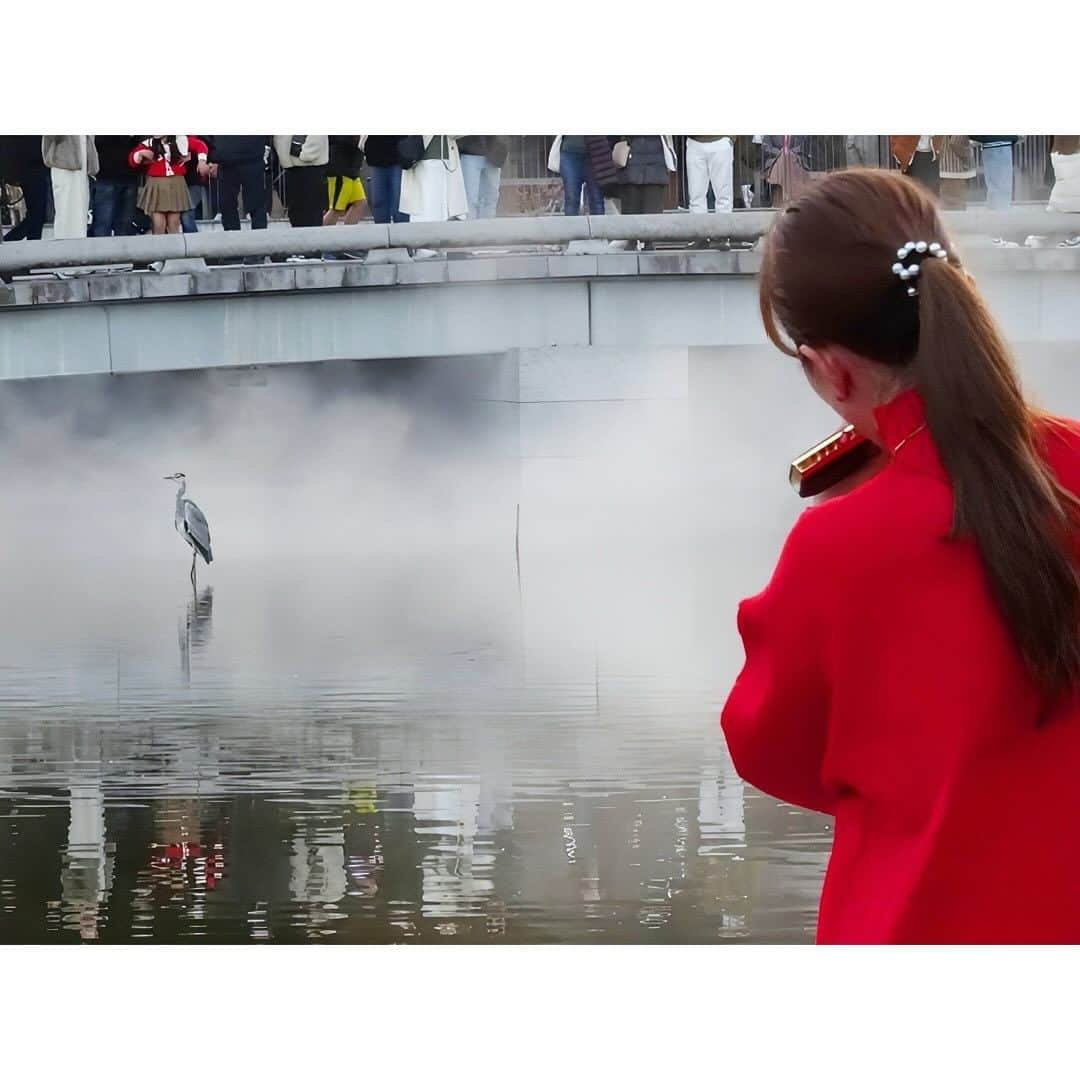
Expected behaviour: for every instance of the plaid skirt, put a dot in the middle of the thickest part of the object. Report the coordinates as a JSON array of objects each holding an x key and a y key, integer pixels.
[{"x": 164, "y": 195}]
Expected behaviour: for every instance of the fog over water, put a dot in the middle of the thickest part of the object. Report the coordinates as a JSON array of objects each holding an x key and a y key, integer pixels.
[{"x": 372, "y": 721}]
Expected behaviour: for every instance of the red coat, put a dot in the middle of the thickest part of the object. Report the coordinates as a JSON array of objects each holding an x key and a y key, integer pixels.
[
  {"x": 162, "y": 165},
  {"x": 881, "y": 686}
]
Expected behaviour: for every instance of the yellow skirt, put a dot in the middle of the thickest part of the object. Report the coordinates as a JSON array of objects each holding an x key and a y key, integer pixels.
[{"x": 343, "y": 191}]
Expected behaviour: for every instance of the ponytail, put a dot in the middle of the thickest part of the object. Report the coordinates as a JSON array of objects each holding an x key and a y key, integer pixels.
[{"x": 1004, "y": 494}]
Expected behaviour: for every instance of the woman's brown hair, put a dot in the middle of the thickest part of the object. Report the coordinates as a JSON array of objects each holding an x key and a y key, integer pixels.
[{"x": 827, "y": 278}]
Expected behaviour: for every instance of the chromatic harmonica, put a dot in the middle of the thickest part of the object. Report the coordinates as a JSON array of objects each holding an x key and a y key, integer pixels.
[{"x": 833, "y": 459}]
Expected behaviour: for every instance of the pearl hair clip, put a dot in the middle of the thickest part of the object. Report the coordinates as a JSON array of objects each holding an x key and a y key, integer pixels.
[{"x": 917, "y": 247}]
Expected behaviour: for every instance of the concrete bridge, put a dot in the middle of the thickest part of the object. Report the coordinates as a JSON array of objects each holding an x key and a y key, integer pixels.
[{"x": 77, "y": 307}]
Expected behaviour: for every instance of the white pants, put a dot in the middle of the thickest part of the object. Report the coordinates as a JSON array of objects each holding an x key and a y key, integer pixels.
[
  {"x": 709, "y": 162},
  {"x": 71, "y": 197}
]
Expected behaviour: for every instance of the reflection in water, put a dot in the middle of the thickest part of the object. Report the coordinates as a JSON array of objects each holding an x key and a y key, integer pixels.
[{"x": 195, "y": 628}]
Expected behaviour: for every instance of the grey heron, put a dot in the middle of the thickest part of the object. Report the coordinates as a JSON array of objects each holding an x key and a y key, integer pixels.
[{"x": 191, "y": 524}]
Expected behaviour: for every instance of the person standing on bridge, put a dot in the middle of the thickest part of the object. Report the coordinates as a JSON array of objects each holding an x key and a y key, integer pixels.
[
  {"x": 433, "y": 188},
  {"x": 72, "y": 160},
  {"x": 304, "y": 159},
  {"x": 710, "y": 159},
  {"x": 165, "y": 160},
  {"x": 915, "y": 658},
  {"x": 239, "y": 163}
]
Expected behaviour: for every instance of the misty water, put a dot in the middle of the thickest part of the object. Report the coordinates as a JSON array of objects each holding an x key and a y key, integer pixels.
[{"x": 441, "y": 682}]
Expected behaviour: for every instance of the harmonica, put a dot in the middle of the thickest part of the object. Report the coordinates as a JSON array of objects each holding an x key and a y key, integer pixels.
[{"x": 833, "y": 459}]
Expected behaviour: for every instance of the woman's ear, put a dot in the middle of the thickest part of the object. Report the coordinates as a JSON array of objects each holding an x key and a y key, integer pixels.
[{"x": 827, "y": 372}]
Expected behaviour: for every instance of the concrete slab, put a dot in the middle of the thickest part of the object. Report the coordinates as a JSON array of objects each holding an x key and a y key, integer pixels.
[
  {"x": 664, "y": 262},
  {"x": 379, "y": 256},
  {"x": 617, "y": 264},
  {"x": 74, "y": 291},
  {"x": 364, "y": 274},
  {"x": 327, "y": 276},
  {"x": 522, "y": 266},
  {"x": 156, "y": 287},
  {"x": 472, "y": 269},
  {"x": 115, "y": 287},
  {"x": 269, "y": 278},
  {"x": 425, "y": 272},
  {"x": 183, "y": 266},
  {"x": 225, "y": 280},
  {"x": 711, "y": 262},
  {"x": 572, "y": 265}
]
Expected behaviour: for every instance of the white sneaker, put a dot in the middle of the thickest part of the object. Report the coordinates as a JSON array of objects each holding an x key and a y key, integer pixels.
[{"x": 425, "y": 253}]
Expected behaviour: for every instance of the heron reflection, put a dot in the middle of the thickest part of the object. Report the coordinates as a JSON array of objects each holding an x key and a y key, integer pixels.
[{"x": 195, "y": 627}]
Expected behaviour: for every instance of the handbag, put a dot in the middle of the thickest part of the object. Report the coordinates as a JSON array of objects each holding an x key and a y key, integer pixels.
[
  {"x": 410, "y": 150},
  {"x": 620, "y": 153}
]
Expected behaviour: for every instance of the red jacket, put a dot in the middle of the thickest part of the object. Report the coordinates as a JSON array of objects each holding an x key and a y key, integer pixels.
[
  {"x": 162, "y": 165},
  {"x": 881, "y": 686}
]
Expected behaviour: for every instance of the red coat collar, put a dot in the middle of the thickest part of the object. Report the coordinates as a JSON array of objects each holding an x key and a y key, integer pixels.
[{"x": 901, "y": 427}]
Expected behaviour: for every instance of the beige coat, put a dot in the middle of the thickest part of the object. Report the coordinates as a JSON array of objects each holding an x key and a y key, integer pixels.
[
  {"x": 63, "y": 152},
  {"x": 315, "y": 151}
]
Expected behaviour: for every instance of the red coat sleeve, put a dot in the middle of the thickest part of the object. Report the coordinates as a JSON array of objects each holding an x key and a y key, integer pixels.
[
  {"x": 133, "y": 151},
  {"x": 776, "y": 716},
  {"x": 196, "y": 147}
]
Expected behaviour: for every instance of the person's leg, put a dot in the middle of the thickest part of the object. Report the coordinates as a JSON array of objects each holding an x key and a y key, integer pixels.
[
  {"x": 189, "y": 219},
  {"x": 230, "y": 179},
  {"x": 631, "y": 198},
  {"x": 124, "y": 209},
  {"x": 333, "y": 188},
  {"x": 103, "y": 199},
  {"x": 396, "y": 213},
  {"x": 653, "y": 198},
  {"x": 722, "y": 174},
  {"x": 697, "y": 175},
  {"x": 357, "y": 210},
  {"x": 488, "y": 201},
  {"x": 998, "y": 171},
  {"x": 160, "y": 222},
  {"x": 71, "y": 197},
  {"x": 594, "y": 197},
  {"x": 172, "y": 222},
  {"x": 306, "y": 190},
  {"x": 379, "y": 193},
  {"x": 572, "y": 170},
  {"x": 472, "y": 166},
  {"x": 251, "y": 176}
]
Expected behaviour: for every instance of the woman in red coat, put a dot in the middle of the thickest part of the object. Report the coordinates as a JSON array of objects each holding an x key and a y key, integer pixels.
[{"x": 912, "y": 666}]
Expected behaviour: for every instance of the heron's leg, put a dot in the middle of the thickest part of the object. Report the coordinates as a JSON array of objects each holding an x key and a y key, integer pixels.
[{"x": 193, "y": 569}]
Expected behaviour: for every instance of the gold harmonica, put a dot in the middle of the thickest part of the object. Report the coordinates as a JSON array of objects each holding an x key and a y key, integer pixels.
[{"x": 830, "y": 461}]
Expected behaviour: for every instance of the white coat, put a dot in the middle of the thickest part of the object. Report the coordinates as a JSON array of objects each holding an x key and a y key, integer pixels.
[
  {"x": 434, "y": 190},
  {"x": 1065, "y": 194}
]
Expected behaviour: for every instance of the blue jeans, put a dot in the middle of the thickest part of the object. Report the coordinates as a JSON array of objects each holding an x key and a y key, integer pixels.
[
  {"x": 998, "y": 174},
  {"x": 481, "y": 185},
  {"x": 113, "y": 204},
  {"x": 575, "y": 172},
  {"x": 384, "y": 194},
  {"x": 189, "y": 218}
]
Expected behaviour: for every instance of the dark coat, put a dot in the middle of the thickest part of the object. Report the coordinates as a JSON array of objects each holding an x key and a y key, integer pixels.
[
  {"x": 239, "y": 149},
  {"x": 647, "y": 164},
  {"x": 604, "y": 173},
  {"x": 346, "y": 157}
]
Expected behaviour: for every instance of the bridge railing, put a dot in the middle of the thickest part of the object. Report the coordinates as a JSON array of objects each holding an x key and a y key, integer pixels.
[{"x": 498, "y": 233}]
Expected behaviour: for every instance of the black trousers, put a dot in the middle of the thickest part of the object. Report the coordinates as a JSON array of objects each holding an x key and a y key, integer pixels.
[
  {"x": 305, "y": 195},
  {"x": 642, "y": 198},
  {"x": 250, "y": 178}
]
